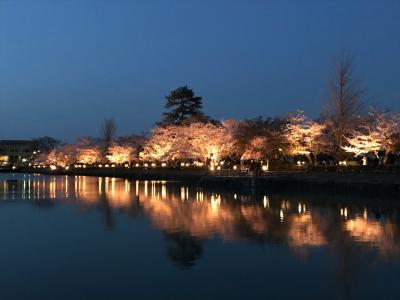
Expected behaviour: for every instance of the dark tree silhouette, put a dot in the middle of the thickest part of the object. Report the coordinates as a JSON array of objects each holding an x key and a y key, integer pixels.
[
  {"x": 184, "y": 108},
  {"x": 345, "y": 104},
  {"x": 46, "y": 143},
  {"x": 108, "y": 129}
]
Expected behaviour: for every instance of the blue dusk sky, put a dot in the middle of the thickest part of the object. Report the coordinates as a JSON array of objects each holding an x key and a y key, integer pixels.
[{"x": 66, "y": 65}]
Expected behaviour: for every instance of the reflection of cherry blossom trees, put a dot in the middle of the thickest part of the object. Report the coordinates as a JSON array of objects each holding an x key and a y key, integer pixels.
[{"x": 303, "y": 134}]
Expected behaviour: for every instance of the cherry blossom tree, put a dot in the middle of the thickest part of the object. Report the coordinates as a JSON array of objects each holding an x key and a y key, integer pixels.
[
  {"x": 88, "y": 155},
  {"x": 381, "y": 131},
  {"x": 196, "y": 141},
  {"x": 256, "y": 150},
  {"x": 304, "y": 135},
  {"x": 120, "y": 153}
]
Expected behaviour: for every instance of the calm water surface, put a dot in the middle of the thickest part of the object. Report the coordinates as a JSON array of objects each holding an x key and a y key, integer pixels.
[{"x": 106, "y": 238}]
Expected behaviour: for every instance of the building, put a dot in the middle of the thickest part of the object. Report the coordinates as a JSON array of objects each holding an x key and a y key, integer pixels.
[{"x": 17, "y": 152}]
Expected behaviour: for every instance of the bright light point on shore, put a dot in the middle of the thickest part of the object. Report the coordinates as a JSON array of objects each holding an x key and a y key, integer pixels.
[
  {"x": 163, "y": 164},
  {"x": 146, "y": 165},
  {"x": 153, "y": 165},
  {"x": 265, "y": 168},
  {"x": 53, "y": 167}
]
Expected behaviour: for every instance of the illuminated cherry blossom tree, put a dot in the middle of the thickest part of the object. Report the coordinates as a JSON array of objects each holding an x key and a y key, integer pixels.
[
  {"x": 88, "y": 155},
  {"x": 256, "y": 150},
  {"x": 303, "y": 135},
  {"x": 120, "y": 153},
  {"x": 381, "y": 132},
  {"x": 62, "y": 156},
  {"x": 196, "y": 141}
]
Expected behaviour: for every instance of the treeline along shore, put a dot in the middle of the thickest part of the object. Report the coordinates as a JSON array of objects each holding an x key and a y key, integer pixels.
[{"x": 350, "y": 147}]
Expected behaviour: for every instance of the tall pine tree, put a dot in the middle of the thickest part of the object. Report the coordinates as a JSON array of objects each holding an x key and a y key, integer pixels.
[{"x": 184, "y": 108}]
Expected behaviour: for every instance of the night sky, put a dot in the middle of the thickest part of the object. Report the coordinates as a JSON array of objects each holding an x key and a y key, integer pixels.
[{"x": 67, "y": 65}]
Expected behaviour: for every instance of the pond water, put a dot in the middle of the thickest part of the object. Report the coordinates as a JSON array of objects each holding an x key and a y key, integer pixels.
[{"x": 106, "y": 238}]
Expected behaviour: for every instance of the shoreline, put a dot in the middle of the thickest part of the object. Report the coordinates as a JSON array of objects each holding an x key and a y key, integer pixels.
[{"x": 374, "y": 183}]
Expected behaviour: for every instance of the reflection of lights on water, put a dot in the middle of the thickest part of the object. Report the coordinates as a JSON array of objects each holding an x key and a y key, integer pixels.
[
  {"x": 66, "y": 187},
  {"x": 266, "y": 202},
  {"x": 343, "y": 212},
  {"x": 113, "y": 185},
  {"x": 281, "y": 216},
  {"x": 215, "y": 203},
  {"x": 199, "y": 196},
  {"x": 301, "y": 208},
  {"x": 127, "y": 186},
  {"x": 365, "y": 214},
  {"x": 137, "y": 188},
  {"x": 146, "y": 191},
  {"x": 182, "y": 193},
  {"x": 285, "y": 205},
  {"x": 153, "y": 188},
  {"x": 100, "y": 184}
]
